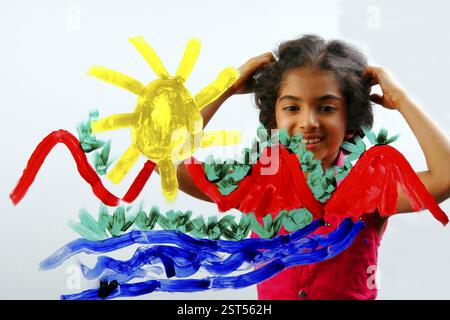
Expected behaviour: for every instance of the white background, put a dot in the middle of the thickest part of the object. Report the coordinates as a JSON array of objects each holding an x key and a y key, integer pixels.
[{"x": 47, "y": 47}]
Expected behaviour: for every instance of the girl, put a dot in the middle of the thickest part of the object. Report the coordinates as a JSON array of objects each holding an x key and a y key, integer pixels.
[{"x": 322, "y": 90}]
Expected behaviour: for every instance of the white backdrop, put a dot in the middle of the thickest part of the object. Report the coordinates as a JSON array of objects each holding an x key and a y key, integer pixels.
[{"x": 47, "y": 47}]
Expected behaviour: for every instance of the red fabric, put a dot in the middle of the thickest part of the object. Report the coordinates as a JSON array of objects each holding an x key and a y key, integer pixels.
[
  {"x": 349, "y": 275},
  {"x": 372, "y": 185}
]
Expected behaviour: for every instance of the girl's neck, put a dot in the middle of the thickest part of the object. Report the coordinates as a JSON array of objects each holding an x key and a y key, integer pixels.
[{"x": 338, "y": 161}]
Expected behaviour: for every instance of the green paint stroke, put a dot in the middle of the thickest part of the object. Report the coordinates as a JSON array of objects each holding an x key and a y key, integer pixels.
[
  {"x": 226, "y": 227},
  {"x": 89, "y": 143},
  {"x": 226, "y": 175}
]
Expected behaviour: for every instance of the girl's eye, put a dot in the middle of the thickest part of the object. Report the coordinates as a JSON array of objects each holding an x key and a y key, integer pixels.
[
  {"x": 291, "y": 108},
  {"x": 327, "y": 109}
]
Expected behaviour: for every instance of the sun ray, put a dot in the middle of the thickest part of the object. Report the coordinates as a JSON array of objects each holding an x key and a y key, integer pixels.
[
  {"x": 116, "y": 78},
  {"x": 189, "y": 59},
  {"x": 215, "y": 89},
  {"x": 150, "y": 56},
  {"x": 169, "y": 182},
  {"x": 220, "y": 138},
  {"x": 166, "y": 124},
  {"x": 124, "y": 164},
  {"x": 113, "y": 122}
]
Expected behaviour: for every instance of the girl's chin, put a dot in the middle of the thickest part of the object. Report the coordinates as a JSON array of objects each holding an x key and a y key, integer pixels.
[{"x": 313, "y": 146}]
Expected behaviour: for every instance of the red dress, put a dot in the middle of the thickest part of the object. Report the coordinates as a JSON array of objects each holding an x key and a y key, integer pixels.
[{"x": 349, "y": 275}]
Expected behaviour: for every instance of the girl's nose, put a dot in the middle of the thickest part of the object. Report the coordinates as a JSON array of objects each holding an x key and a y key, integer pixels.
[{"x": 308, "y": 121}]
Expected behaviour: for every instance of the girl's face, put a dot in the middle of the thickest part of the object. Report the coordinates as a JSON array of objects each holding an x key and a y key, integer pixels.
[{"x": 310, "y": 103}]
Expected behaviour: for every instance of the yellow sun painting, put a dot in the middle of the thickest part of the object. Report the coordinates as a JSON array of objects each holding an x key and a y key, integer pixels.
[{"x": 166, "y": 125}]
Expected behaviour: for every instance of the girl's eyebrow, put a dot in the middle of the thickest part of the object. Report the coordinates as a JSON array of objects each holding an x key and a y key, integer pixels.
[
  {"x": 328, "y": 97},
  {"x": 289, "y": 97},
  {"x": 324, "y": 97}
]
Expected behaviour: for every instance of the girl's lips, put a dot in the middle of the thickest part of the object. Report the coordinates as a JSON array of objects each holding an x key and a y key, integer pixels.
[{"x": 312, "y": 145}]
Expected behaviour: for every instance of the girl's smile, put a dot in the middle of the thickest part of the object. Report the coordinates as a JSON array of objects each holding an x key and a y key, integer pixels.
[{"x": 310, "y": 103}]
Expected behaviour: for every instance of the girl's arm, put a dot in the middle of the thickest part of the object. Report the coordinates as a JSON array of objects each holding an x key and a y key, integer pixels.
[
  {"x": 241, "y": 86},
  {"x": 434, "y": 143}
]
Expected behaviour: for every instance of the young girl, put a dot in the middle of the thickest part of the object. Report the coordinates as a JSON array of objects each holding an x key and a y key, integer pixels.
[{"x": 322, "y": 90}]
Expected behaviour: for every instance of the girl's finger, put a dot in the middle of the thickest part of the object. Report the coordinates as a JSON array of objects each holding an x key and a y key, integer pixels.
[
  {"x": 265, "y": 58},
  {"x": 376, "y": 98},
  {"x": 269, "y": 55},
  {"x": 367, "y": 72},
  {"x": 370, "y": 73},
  {"x": 374, "y": 81}
]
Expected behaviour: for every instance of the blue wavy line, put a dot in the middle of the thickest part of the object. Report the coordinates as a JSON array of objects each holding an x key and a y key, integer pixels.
[
  {"x": 314, "y": 248},
  {"x": 183, "y": 263},
  {"x": 171, "y": 237}
]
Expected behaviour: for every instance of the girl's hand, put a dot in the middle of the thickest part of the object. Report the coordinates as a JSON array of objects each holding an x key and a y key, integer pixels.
[
  {"x": 393, "y": 94},
  {"x": 247, "y": 71}
]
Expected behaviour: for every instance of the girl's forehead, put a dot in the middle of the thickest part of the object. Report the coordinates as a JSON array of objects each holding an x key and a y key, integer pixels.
[{"x": 309, "y": 82}]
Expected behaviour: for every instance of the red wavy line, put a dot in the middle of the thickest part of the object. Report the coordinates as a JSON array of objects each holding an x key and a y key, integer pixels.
[
  {"x": 246, "y": 197},
  {"x": 380, "y": 159},
  {"x": 84, "y": 168}
]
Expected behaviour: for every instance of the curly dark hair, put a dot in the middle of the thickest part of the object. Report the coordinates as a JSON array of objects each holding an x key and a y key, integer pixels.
[{"x": 346, "y": 63}]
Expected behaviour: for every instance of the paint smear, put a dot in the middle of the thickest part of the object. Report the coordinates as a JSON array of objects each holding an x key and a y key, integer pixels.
[
  {"x": 371, "y": 185},
  {"x": 84, "y": 168},
  {"x": 182, "y": 256}
]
